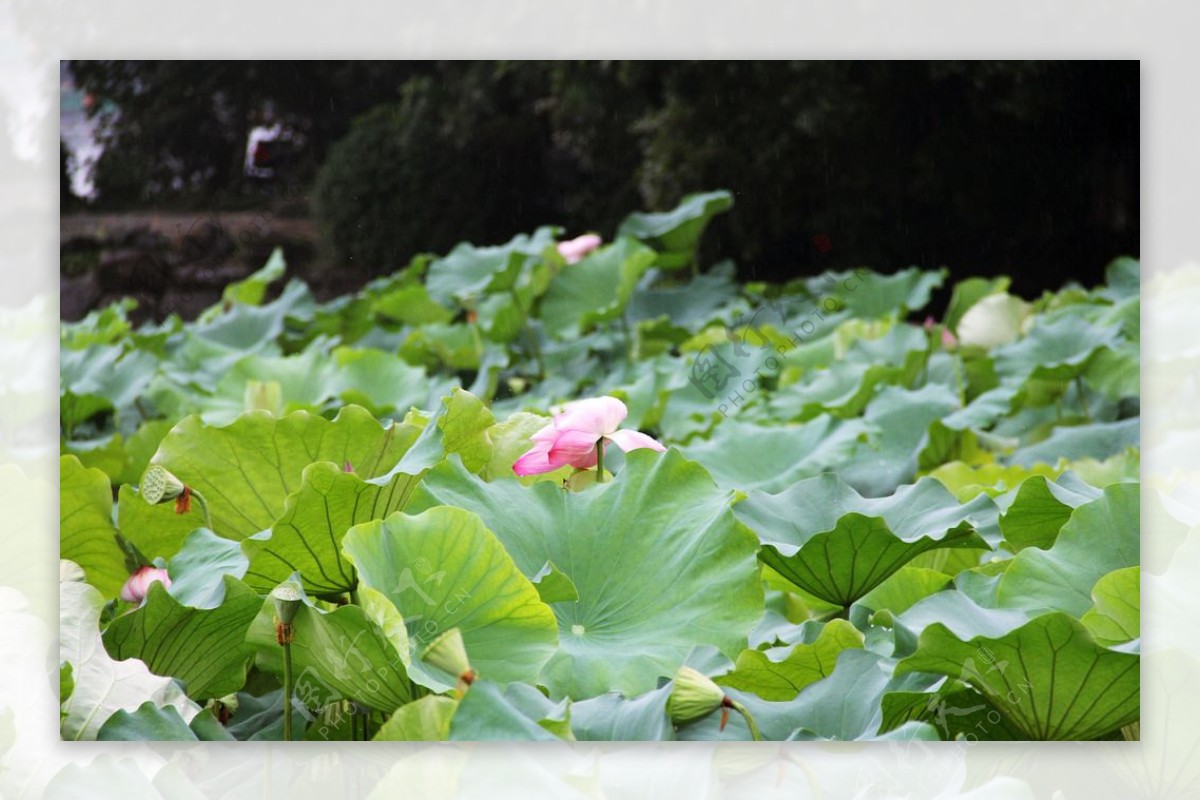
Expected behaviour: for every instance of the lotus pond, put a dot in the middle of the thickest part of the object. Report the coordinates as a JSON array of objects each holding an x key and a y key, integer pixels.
[{"x": 564, "y": 489}]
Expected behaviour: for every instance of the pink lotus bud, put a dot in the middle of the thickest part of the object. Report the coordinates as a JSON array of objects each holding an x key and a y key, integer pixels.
[
  {"x": 138, "y": 585},
  {"x": 949, "y": 341},
  {"x": 575, "y": 249}
]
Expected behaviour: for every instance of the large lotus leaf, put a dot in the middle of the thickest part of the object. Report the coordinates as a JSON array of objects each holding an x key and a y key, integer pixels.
[
  {"x": 102, "y": 684},
  {"x": 692, "y": 305},
  {"x": 203, "y": 648},
  {"x": 955, "y": 709},
  {"x": 410, "y": 305},
  {"x": 1039, "y": 507},
  {"x": 1092, "y": 441},
  {"x": 151, "y": 722},
  {"x": 844, "y": 705},
  {"x": 197, "y": 570},
  {"x": 86, "y": 532},
  {"x": 382, "y": 382},
  {"x": 898, "y": 420},
  {"x": 1101, "y": 536},
  {"x": 456, "y": 346},
  {"x": 871, "y": 295},
  {"x": 247, "y": 328},
  {"x": 827, "y": 539},
  {"x": 845, "y": 387},
  {"x": 659, "y": 562},
  {"x": 595, "y": 290},
  {"x": 1048, "y": 678},
  {"x": 745, "y": 455},
  {"x": 443, "y": 569},
  {"x": 516, "y": 712},
  {"x": 612, "y": 717},
  {"x": 307, "y": 537},
  {"x": 469, "y": 271},
  {"x": 966, "y": 480},
  {"x": 1116, "y": 617},
  {"x": 426, "y": 719},
  {"x": 253, "y": 288},
  {"x": 337, "y": 655},
  {"x": 779, "y": 674},
  {"x": 1058, "y": 349},
  {"x": 247, "y": 469},
  {"x": 902, "y": 590},
  {"x": 101, "y": 378},
  {"x": 676, "y": 234},
  {"x": 156, "y": 531}
]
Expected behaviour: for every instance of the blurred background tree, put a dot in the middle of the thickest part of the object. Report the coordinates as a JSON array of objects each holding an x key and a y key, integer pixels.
[{"x": 1028, "y": 168}]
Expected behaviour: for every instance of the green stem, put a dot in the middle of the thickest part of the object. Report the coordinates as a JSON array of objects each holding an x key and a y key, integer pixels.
[
  {"x": 750, "y": 724},
  {"x": 204, "y": 508},
  {"x": 629, "y": 354},
  {"x": 367, "y": 725},
  {"x": 287, "y": 691},
  {"x": 600, "y": 460}
]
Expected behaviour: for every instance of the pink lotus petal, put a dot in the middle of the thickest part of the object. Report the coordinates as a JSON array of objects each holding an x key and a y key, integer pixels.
[
  {"x": 138, "y": 585},
  {"x": 949, "y": 341},
  {"x": 628, "y": 440},
  {"x": 595, "y": 415},
  {"x": 573, "y": 250},
  {"x": 573, "y": 447}
]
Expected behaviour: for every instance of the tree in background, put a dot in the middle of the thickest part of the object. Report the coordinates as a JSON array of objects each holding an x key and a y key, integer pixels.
[{"x": 1029, "y": 168}]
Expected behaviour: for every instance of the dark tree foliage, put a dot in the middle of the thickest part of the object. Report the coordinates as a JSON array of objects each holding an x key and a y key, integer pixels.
[{"x": 1029, "y": 168}]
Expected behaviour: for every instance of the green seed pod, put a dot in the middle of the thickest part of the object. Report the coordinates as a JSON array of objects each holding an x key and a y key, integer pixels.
[
  {"x": 447, "y": 652},
  {"x": 160, "y": 485},
  {"x": 694, "y": 696},
  {"x": 288, "y": 600}
]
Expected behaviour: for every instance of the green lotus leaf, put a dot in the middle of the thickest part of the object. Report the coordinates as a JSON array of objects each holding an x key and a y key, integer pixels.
[
  {"x": 676, "y": 234},
  {"x": 247, "y": 469},
  {"x": 87, "y": 535},
  {"x": 595, "y": 290},
  {"x": 658, "y": 560},
  {"x": 426, "y": 719},
  {"x": 517, "y": 712},
  {"x": 955, "y": 710},
  {"x": 1048, "y": 678},
  {"x": 307, "y": 537},
  {"x": 443, "y": 569},
  {"x": 779, "y": 674},
  {"x": 1059, "y": 349},
  {"x": 613, "y": 717},
  {"x": 745, "y": 455},
  {"x": 198, "y": 569},
  {"x": 1039, "y": 508},
  {"x": 1116, "y": 617},
  {"x": 336, "y": 655},
  {"x": 470, "y": 271},
  {"x": 152, "y": 722},
  {"x": 1100, "y": 536},
  {"x": 203, "y": 648},
  {"x": 871, "y": 295},
  {"x": 1091, "y": 441},
  {"x": 830, "y": 541}
]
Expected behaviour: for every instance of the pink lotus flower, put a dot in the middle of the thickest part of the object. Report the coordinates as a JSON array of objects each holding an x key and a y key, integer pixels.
[
  {"x": 575, "y": 249},
  {"x": 137, "y": 585},
  {"x": 571, "y": 437}
]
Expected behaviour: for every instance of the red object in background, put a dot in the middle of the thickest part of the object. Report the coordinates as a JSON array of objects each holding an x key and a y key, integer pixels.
[
  {"x": 262, "y": 155},
  {"x": 822, "y": 243}
]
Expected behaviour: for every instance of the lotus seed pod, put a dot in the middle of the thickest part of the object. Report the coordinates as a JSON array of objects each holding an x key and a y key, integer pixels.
[
  {"x": 160, "y": 485},
  {"x": 447, "y": 652},
  {"x": 694, "y": 696},
  {"x": 288, "y": 600}
]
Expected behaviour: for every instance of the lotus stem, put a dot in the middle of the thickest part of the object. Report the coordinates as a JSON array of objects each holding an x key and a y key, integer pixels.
[
  {"x": 283, "y": 636},
  {"x": 204, "y": 508},
  {"x": 746, "y": 716},
  {"x": 600, "y": 460}
]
